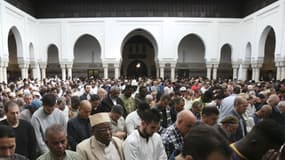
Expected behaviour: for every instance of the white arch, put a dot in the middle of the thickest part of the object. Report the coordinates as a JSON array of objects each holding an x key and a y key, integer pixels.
[
  {"x": 53, "y": 46},
  {"x": 141, "y": 32},
  {"x": 262, "y": 40},
  {"x": 18, "y": 39},
  {"x": 96, "y": 43},
  {"x": 231, "y": 51},
  {"x": 191, "y": 35}
]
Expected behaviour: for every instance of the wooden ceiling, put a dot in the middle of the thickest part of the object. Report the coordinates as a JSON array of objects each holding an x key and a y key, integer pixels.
[{"x": 138, "y": 8}]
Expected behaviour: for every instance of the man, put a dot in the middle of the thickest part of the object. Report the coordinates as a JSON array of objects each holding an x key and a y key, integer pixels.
[
  {"x": 118, "y": 122},
  {"x": 172, "y": 138},
  {"x": 86, "y": 94},
  {"x": 44, "y": 117},
  {"x": 27, "y": 113},
  {"x": 263, "y": 113},
  {"x": 133, "y": 119},
  {"x": 164, "y": 110},
  {"x": 79, "y": 127},
  {"x": 112, "y": 99},
  {"x": 210, "y": 115},
  {"x": 204, "y": 143},
  {"x": 177, "y": 106},
  {"x": 273, "y": 101},
  {"x": 140, "y": 97},
  {"x": 264, "y": 136},
  {"x": 129, "y": 101},
  {"x": 144, "y": 143},
  {"x": 95, "y": 103},
  {"x": 101, "y": 145},
  {"x": 55, "y": 138},
  {"x": 240, "y": 105},
  {"x": 228, "y": 128},
  {"x": 24, "y": 132},
  {"x": 8, "y": 144},
  {"x": 227, "y": 104},
  {"x": 28, "y": 98}
]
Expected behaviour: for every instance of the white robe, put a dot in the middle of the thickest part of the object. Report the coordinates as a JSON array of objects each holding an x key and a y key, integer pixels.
[{"x": 137, "y": 148}]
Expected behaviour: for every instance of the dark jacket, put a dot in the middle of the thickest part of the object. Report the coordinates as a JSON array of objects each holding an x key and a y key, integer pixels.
[
  {"x": 77, "y": 130},
  {"x": 107, "y": 104}
]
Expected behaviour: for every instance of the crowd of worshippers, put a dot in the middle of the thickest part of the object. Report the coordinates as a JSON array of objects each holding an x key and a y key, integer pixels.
[{"x": 189, "y": 119}]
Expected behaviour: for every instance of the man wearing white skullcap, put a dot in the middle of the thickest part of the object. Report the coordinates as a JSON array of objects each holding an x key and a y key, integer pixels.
[{"x": 101, "y": 146}]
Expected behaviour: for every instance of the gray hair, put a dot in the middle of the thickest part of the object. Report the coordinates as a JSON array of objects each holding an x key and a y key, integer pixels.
[{"x": 54, "y": 129}]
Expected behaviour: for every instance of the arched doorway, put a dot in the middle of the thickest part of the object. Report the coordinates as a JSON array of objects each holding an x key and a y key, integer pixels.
[
  {"x": 14, "y": 47},
  {"x": 87, "y": 58},
  {"x": 137, "y": 69},
  {"x": 248, "y": 61},
  {"x": 139, "y": 52},
  {"x": 268, "y": 69},
  {"x": 53, "y": 67},
  {"x": 225, "y": 70},
  {"x": 191, "y": 57}
]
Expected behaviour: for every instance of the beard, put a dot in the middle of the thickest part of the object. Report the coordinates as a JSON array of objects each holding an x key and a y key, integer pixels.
[{"x": 146, "y": 134}]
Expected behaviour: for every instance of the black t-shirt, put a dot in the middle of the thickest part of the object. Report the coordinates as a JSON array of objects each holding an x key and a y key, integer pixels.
[{"x": 25, "y": 139}]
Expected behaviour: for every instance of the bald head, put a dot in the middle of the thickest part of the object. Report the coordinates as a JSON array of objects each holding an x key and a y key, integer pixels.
[
  {"x": 273, "y": 100},
  {"x": 265, "y": 111},
  {"x": 185, "y": 120},
  {"x": 281, "y": 106},
  {"x": 85, "y": 109}
]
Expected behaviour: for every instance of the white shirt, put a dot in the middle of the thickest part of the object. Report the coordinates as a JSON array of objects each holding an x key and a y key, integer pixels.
[
  {"x": 138, "y": 148},
  {"x": 132, "y": 122}
]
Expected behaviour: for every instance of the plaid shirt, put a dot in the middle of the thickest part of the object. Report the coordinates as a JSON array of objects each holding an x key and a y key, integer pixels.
[{"x": 172, "y": 139}]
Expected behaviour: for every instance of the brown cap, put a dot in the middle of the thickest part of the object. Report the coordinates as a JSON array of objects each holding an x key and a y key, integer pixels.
[
  {"x": 99, "y": 118},
  {"x": 230, "y": 120}
]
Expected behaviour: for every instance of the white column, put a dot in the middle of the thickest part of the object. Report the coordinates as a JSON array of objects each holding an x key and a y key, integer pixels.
[
  {"x": 244, "y": 71},
  {"x": 161, "y": 66},
  {"x": 43, "y": 70},
  {"x": 282, "y": 70},
  {"x": 235, "y": 69},
  {"x": 69, "y": 71},
  {"x": 63, "y": 71},
  {"x": 278, "y": 70},
  {"x": 24, "y": 71},
  {"x": 105, "y": 66},
  {"x": 215, "y": 70},
  {"x": 172, "y": 71},
  {"x": 5, "y": 65},
  {"x": 157, "y": 72},
  {"x": 1, "y": 72},
  {"x": 117, "y": 71},
  {"x": 209, "y": 70}
]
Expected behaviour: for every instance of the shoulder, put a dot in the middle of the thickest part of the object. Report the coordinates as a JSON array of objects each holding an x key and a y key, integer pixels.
[
  {"x": 19, "y": 157},
  {"x": 43, "y": 156},
  {"x": 72, "y": 155},
  {"x": 84, "y": 143},
  {"x": 133, "y": 137}
]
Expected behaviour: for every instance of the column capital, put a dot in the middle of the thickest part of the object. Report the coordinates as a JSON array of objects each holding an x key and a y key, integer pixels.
[
  {"x": 235, "y": 65},
  {"x": 172, "y": 64},
  {"x": 245, "y": 65},
  {"x": 116, "y": 65},
  {"x": 62, "y": 66},
  {"x": 69, "y": 65},
  {"x": 216, "y": 65},
  {"x": 105, "y": 65},
  {"x": 209, "y": 65}
]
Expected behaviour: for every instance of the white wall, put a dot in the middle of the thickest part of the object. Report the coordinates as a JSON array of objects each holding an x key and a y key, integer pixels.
[{"x": 167, "y": 32}]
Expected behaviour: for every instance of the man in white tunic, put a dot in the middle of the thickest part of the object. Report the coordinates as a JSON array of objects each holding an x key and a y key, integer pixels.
[
  {"x": 145, "y": 143},
  {"x": 101, "y": 146}
]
